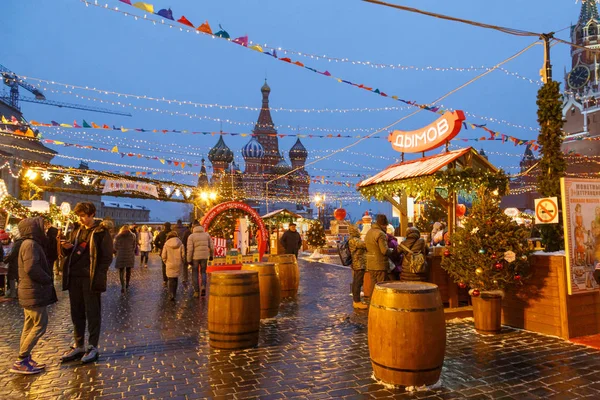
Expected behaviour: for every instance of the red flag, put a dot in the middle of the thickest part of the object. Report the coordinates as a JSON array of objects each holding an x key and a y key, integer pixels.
[
  {"x": 184, "y": 20},
  {"x": 76, "y": 125}
]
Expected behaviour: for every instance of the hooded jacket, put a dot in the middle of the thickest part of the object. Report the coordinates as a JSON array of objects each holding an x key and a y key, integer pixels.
[
  {"x": 377, "y": 249},
  {"x": 173, "y": 255},
  {"x": 101, "y": 254},
  {"x": 145, "y": 240},
  {"x": 12, "y": 259},
  {"x": 415, "y": 243},
  {"x": 36, "y": 287},
  {"x": 199, "y": 245},
  {"x": 125, "y": 248},
  {"x": 358, "y": 248}
]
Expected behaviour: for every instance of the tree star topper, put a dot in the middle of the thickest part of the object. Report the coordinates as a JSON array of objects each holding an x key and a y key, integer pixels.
[{"x": 433, "y": 135}]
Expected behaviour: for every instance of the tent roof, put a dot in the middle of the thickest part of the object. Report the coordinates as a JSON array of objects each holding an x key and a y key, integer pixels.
[
  {"x": 281, "y": 211},
  {"x": 426, "y": 166}
]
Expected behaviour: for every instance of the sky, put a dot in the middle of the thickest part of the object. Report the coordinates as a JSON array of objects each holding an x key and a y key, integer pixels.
[{"x": 68, "y": 42}]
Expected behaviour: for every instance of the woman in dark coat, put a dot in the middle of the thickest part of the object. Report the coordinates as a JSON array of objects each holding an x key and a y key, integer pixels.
[
  {"x": 12, "y": 260},
  {"x": 125, "y": 243},
  {"x": 416, "y": 244}
]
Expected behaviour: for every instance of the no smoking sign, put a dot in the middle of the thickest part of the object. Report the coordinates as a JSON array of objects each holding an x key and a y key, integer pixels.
[{"x": 546, "y": 211}]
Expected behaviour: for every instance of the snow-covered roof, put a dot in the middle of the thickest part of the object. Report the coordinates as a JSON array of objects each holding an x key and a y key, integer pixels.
[{"x": 113, "y": 204}]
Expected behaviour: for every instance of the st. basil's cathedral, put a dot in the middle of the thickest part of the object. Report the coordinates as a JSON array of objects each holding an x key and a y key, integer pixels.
[{"x": 264, "y": 162}]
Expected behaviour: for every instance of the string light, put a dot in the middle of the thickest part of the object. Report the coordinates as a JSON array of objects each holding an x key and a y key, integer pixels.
[
  {"x": 67, "y": 179},
  {"x": 86, "y": 180},
  {"x": 46, "y": 176}
]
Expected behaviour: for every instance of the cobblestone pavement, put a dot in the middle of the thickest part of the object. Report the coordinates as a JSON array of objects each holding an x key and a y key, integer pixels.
[{"x": 316, "y": 348}]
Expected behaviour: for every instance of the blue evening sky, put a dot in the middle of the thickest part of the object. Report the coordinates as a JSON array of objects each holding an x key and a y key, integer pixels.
[{"x": 65, "y": 41}]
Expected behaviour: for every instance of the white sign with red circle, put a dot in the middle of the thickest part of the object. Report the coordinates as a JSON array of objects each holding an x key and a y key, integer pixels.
[{"x": 546, "y": 210}]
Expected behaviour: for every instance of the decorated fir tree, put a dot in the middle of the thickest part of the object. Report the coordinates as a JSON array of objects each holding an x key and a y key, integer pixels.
[
  {"x": 552, "y": 163},
  {"x": 491, "y": 251},
  {"x": 315, "y": 237}
]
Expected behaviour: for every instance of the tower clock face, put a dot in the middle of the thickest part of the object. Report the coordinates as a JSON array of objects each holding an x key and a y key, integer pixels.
[{"x": 578, "y": 77}]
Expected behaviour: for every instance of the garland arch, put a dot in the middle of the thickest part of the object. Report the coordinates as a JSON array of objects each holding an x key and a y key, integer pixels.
[{"x": 263, "y": 238}]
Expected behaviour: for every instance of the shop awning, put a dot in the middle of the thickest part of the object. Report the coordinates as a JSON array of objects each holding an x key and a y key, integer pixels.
[
  {"x": 424, "y": 166},
  {"x": 282, "y": 212}
]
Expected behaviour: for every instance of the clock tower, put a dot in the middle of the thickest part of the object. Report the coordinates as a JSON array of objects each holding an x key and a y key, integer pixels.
[{"x": 581, "y": 107}]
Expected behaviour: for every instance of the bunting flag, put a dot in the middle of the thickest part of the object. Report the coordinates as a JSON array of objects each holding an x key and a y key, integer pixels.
[
  {"x": 183, "y": 20},
  {"x": 144, "y": 6},
  {"x": 85, "y": 124},
  {"x": 115, "y": 150},
  {"x": 168, "y": 14},
  {"x": 242, "y": 40},
  {"x": 95, "y": 126},
  {"x": 205, "y": 27},
  {"x": 4, "y": 120},
  {"x": 222, "y": 33},
  {"x": 125, "y": 1},
  {"x": 75, "y": 125}
]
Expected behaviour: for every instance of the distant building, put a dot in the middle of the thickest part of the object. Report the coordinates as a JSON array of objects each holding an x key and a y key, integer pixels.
[{"x": 123, "y": 213}]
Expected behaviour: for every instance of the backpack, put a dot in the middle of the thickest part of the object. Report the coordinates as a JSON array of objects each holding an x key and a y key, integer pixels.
[
  {"x": 416, "y": 261},
  {"x": 344, "y": 252}
]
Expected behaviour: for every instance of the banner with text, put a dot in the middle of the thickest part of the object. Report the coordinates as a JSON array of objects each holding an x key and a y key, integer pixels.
[{"x": 121, "y": 185}]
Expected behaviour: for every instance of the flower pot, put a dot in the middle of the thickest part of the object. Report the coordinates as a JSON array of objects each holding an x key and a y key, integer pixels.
[{"x": 487, "y": 312}]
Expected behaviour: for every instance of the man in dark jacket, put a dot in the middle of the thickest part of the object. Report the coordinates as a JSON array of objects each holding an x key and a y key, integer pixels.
[
  {"x": 36, "y": 292},
  {"x": 159, "y": 242},
  {"x": 88, "y": 257},
  {"x": 52, "y": 246},
  {"x": 377, "y": 251},
  {"x": 291, "y": 240},
  {"x": 12, "y": 259},
  {"x": 183, "y": 232}
]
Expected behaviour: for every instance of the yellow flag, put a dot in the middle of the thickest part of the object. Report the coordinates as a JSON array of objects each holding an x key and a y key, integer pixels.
[
  {"x": 161, "y": 160},
  {"x": 4, "y": 120},
  {"x": 144, "y": 6},
  {"x": 94, "y": 125},
  {"x": 124, "y": 129},
  {"x": 182, "y": 165},
  {"x": 115, "y": 150},
  {"x": 66, "y": 125},
  {"x": 29, "y": 133},
  {"x": 256, "y": 47}
]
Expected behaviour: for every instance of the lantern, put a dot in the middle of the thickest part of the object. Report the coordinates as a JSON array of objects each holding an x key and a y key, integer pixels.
[
  {"x": 461, "y": 209},
  {"x": 339, "y": 214}
]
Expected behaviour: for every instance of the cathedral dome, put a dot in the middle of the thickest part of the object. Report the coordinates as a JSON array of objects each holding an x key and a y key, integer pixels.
[
  {"x": 253, "y": 149},
  {"x": 298, "y": 151},
  {"x": 281, "y": 167},
  {"x": 265, "y": 87},
  {"x": 220, "y": 153}
]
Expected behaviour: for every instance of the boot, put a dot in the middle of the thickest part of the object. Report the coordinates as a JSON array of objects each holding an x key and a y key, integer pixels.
[{"x": 359, "y": 306}]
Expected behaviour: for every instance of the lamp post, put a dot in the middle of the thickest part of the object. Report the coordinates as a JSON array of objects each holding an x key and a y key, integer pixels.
[
  {"x": 319, "y": 200},
  {"x": 207, "y": 197}
]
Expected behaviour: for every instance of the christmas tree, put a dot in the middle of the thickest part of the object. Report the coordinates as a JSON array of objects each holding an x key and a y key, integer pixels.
[
  {"x": 491, "y": 251},
  {"x": 552, "y": 163},
  {"x": 316, "y": 235}
]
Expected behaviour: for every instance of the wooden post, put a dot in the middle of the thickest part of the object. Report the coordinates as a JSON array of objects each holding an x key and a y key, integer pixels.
[{"x": 402, "y": 209}]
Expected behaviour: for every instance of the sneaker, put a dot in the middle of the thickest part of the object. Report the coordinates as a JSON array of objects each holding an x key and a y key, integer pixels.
[
  {"x": 36, "y": 364},
  {"x": 73, "y": 354},
  {"x": 122, "y": 290},
  {"x": 359, "y": 306},
  {"x": 25, "y": 367},
  {"x": 196, "y": 294},
  {"x": 91, "y": 355}
]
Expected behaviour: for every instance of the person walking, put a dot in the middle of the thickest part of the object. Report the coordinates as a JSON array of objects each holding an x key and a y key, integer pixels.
[
  {"x": 377, "y": 251},
  {"x": 159, "y": 242},
  {"x": 145, "y": 243},
  {"x": 173, "y": 255},
  {"x": 183, "y": 232},
  {"x": 199, "y": 250},
  {"x": 124, "y": 245},
  {"x": 359, "y": 263},
  {"x": 52, "y": 248},
  {"x": 291, "y": 240},
  {"x": 89, "y": 256},
  {"x": 36, "y": 292}
]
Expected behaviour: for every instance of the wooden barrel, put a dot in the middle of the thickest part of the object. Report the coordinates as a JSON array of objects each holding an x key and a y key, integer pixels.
[
  {"x": 233, "y": 309},
  {"x": 289, "y": 273},
  {"x": 407, "y": 333},
  {"x": 270, "y": 288},
  {"x": 487, "y": 313},
  {"x": 367, "y": 285}
]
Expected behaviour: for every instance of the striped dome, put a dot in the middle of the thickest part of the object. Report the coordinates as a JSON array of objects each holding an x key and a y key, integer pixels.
[
  {"x": 220, "y": 153},
  {"x": 298, "y": 151},
  {"x": 253, "y": 149}
]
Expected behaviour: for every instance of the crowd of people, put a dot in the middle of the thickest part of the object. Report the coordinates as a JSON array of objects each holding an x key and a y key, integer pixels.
[
  {"x": 383, "y": 257},
  {"x": 83, "y": 258}
]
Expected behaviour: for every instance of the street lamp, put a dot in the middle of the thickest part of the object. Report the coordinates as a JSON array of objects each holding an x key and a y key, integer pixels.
[
  {"x": 205, "y": 196},
  {"x": 319, "y": 200}
]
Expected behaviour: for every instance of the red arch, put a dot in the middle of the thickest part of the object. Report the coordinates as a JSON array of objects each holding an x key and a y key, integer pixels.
[{"x": 237, "y": 205}]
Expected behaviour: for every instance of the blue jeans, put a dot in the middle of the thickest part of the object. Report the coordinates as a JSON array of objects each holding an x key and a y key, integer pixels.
[{"x": 199, "y": 265}]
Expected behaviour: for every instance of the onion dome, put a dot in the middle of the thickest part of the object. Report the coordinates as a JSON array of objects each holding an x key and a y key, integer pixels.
[
  {"x": 220, "y": 153},
  {"x": 253, "y": 149},
  {"x": 298, "y": 151},
  {"x": 265, "y": 87},
  {"x": 281, "y": 167}
]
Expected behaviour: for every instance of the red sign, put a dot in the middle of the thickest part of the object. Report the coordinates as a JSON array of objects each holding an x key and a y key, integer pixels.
[
  {"x": 433, "y": 135},
  {"x": 236, "y": 205}
]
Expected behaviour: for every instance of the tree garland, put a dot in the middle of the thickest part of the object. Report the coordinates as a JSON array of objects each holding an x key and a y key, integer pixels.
[
  {"x": 12, "y": 206},
  {"x": 459, "y": 181}
]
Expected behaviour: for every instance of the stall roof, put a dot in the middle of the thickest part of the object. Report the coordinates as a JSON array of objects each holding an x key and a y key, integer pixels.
[
  {"x": 423, "y": 166},
  {"x": 281, "y": 211}
]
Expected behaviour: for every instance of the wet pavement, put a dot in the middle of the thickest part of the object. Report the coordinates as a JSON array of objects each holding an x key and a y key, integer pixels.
[{"x": 315, "y": 348}]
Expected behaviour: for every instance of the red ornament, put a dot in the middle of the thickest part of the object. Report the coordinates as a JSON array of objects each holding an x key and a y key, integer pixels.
[
  {"x": 462, "y": 285},
  {"x": 498, "y": 266},
  {"x": 517, "y": 277},
  {"x": 447, "y": 237},
  {"x": 476, "y": 292},
  {"x": 446, "y": 253},
  {"x": 339, "y": 214},
  {"x": 493, "y": 256},
  {"x": 461, "y": 209}
]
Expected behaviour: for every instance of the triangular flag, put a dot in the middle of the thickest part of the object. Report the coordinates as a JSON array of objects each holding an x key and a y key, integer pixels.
[
  {"x": 4, "y": 120},
  {"x": 144, "y": 6},
  {"x": 242, "y": 40},
  {"x": 105, "y": 126},
  {"x": 13, "y": 119},
  {"x": 168, "y": 14},
  {"x": 182, "y": 165},
  {"x": 162, "y": 161},
  {"x": 222, "y": 33},
  {"x": 125, "y": 1},
  {"x": 115, "y": 149},
  {"x": 54, "y": 123},
  {"x": 85, "y": 124},
  {"x": 95, "y": 126},
  {"x": 66, "y": 125},
  {"x": 256, "y": 48},
  {"x": 183, "y": 20},
  {"x": 34, "y": 123},
  {"x": 205, "y": 27},
  {"x": 29, "y": 132}
]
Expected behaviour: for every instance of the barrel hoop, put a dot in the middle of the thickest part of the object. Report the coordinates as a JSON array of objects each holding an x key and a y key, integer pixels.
[
  {"x": 233, "y": 284},
  {"x": 387, "y": 289},
  {"x": 488, "y": 330},
  {"x": 407, "y": 309},
  {"x": 232, "y": 333},
  {"x": 211, "y": 294},
  {"x": 407, "y": 370}
]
